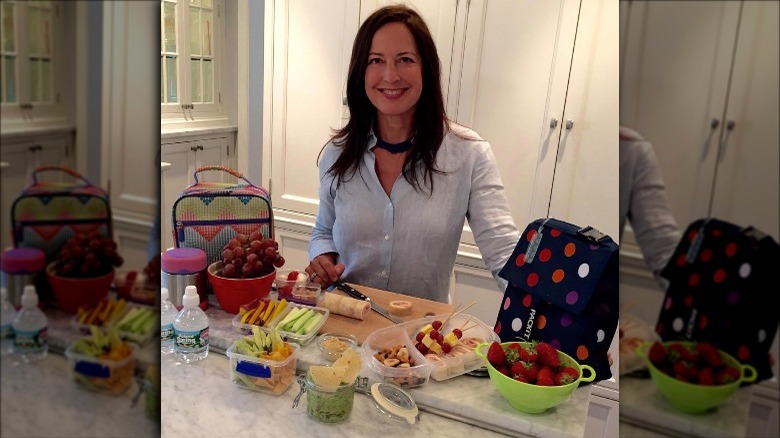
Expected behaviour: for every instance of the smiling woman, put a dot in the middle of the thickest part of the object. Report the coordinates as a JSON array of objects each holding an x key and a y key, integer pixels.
[{"x": 398, "y": 226}]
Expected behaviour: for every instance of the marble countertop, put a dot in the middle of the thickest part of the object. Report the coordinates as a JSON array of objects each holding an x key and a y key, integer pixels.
[
  {"x": 39, "y": 400},
  {"x": 643, "y": 408},
  {"x": 201, "y": 398}
]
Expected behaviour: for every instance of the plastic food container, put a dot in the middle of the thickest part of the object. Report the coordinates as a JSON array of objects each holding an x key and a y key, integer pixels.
[
  {"x": 301, "y": 339},
  {"x": 260, "y": 374},
  {"x": 309, "y": 294},
  {"x": 333, "y": 344},
  {"x": 388, "y": 338},
  {"x": 86, "y": 329},
  {"x": 101, "y": 375},
  {"x": 142, "y": 338},
  {"x": 462, "y": 359}
]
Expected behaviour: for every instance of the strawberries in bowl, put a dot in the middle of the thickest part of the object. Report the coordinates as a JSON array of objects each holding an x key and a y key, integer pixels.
[
  {"x": 694, "y": 377},
  {"x": 533, "y": 376}
]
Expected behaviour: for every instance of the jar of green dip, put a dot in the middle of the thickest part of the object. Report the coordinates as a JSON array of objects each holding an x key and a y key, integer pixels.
[{"x": 328, "y": 406}]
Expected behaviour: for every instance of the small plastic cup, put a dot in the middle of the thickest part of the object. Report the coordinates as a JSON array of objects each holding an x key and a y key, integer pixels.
[{"x": 329, "y": 407}]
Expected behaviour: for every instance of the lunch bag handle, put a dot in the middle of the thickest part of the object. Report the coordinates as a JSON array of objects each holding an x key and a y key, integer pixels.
[
  {"x": 223, "y": 168},
  {"x": 67, "y": 170}
]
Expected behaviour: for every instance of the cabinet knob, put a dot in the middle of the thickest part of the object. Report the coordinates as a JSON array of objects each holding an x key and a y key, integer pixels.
[
  {"x": 730, "y": 125},
  {"x": 714, "y": 123},
  {"x": 344, "y": 100},
  {"x": 553, "y": 123},
  {"x": 569, "y": 124}
]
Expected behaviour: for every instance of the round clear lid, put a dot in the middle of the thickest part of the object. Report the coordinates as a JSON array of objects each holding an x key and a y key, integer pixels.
[{"x": 395, "y": 402}]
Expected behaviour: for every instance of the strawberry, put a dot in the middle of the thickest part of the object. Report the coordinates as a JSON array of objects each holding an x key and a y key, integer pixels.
[
  {"x": 292, "y": 276},
  {"x": 677, "y": 351},
  {"x": 496, "y": 355},
  {"x": 511, "y": 356},
  {"x": 548, "y": 355},
  {"x": 545, "y": 381},
  {"x": 657, "y": 353},
  {"x": 709, "y": 354},
  {"x": 503, "y": 370},
  {"x": 528, "y": 353},
  {"x": 520, "y": 378},
  {"x": 528, "y": 370},
  {"x": 685, "y": 368},
  {"x": 706, "y": 377},
  {"x": 566, "y": 376},
  {"x": 728, "y": 375},
  {"x": 545, "y": 373}
]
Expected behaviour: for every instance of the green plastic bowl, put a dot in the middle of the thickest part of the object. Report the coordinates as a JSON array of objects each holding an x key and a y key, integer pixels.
[
  {"x": 693, "y": 398},
  {"x": 529, "y": 398}
]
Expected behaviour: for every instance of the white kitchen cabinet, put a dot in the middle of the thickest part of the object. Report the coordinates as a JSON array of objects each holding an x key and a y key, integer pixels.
[
  {"x": 700, "y": 81},
  {"x": 23, "y": 154},
  {"x": 186, "y": 155},
  {"x": 603, "y": 414}
]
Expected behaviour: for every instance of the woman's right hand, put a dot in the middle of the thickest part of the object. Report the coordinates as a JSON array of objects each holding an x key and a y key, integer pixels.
[{"x": 323, "y": 270}]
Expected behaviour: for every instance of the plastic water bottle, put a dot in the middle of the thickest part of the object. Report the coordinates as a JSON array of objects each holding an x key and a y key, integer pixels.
[
  {"x": 6, "y": 320},
  {"x": 191, "y": 328},
  {"x": 167, "y": 317},
  {"x": 30, "y": 328}
]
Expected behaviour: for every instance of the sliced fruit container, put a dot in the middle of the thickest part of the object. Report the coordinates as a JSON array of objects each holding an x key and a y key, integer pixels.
[
  {"x": 461, "y": 358},
  {"x": 391, "y": 338},
  {"x": 530, "y": 398},
  {"x": 298, "y": 337},
  {"x": 100, "y": 374},
  {"x": 103, "y": 315},
  {"x": 258, "y": 374},
  {"x": 694, "y": 398}
]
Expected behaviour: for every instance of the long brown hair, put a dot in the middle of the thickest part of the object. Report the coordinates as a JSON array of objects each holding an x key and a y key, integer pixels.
[{"x": 429, "y": 118}]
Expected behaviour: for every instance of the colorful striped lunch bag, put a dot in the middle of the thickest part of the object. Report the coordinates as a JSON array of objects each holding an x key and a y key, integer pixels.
[
  {"x": 720, "y": 291},
  {"x": 563, "y": 289},
  {"x": 206, "y": 215},
  {"x": 46, "y": 214}
]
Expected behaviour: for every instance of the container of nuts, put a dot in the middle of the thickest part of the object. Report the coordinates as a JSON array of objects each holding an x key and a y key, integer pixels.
[{"x": 390, "y": 353}]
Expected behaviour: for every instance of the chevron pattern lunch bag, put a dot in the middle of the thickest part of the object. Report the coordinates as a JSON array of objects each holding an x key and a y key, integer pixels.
[
  {"x": 720, "y": 291},
  {"x": 48, "y": 213},
  {"x": 206, "y": 215},
  {"x": 563, "y": 289}
]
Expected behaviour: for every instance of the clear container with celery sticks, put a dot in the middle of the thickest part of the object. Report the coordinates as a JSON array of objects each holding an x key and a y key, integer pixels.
[
  {"x": 263, "y": 362},
  {"x": 102, "y": 362}
]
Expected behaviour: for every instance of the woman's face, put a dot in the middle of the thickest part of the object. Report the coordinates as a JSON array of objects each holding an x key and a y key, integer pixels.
[{"x": 394, "y": 74}]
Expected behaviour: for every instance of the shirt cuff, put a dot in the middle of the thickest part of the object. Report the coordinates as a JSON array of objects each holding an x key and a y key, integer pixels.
[{"x": 319, "y": 247}]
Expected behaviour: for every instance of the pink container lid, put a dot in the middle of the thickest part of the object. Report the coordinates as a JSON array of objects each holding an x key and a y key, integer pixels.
[
  {"x": 183, "y": 261},
  {"x": 22, "y": 260}
]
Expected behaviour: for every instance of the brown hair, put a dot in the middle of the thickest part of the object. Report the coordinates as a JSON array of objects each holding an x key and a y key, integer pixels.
[{"x": 429, "y": 118}]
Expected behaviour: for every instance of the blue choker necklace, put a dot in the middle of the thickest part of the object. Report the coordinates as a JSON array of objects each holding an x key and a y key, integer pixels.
[{"x": 394, "y": 148}]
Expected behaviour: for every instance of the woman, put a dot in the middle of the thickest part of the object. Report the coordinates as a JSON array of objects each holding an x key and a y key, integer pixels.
[
  {"x": 398, "y": 181},
  {"x": 644, "y": 204}
]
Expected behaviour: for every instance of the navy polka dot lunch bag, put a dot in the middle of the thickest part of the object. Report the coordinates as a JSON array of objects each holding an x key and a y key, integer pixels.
[
  {"x": 723, "y": 290},
  {"x": 563, "y": 289}
]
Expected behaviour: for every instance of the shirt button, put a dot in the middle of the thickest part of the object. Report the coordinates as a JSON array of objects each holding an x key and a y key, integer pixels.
[
  {"x": 387, "y": 237},
  {"x": 384, "y": 271}
]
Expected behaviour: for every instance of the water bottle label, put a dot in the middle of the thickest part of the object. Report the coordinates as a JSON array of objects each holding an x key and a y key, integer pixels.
[
  {"x": 7, "y": 332},
  {"x": 167, "y": 333},
  {"x": 196, "y": 339},
  {"x": 26, "y": 341}
]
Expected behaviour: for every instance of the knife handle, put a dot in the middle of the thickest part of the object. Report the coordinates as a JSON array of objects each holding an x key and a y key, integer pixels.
[{"x": 351, "y": 291}]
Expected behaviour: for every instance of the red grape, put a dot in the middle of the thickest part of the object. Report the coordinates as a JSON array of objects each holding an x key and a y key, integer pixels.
[
  {"x": 227, "y": 255},
  {"x": 279, "y": 262},
  {"x": 436, "y": 324},
  {"x": 420, "y": 336}
]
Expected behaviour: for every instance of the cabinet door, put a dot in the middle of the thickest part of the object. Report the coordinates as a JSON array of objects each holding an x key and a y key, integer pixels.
[
  {"x": 15, "y": 177},
  {"x": 510, "y": 83},
  {"x": 747, "y": 181},
  {"x": 585, "y": 188},
  {"x": 312, "y": 43},
  {"x": 678, "y": 57}
]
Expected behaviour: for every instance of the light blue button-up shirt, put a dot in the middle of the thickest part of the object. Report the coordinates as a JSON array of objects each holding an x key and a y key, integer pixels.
[{"x": 407, "y": 242}]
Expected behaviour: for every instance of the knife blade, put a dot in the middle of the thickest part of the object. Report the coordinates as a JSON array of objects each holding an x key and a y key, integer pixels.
[{"x": 354, "y": 293}]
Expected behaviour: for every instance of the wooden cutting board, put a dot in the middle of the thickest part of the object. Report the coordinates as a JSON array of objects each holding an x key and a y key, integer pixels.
[{"x": 361, "y": 329}]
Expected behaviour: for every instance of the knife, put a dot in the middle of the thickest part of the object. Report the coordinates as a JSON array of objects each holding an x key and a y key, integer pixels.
[{"x": 351, "y": 291}]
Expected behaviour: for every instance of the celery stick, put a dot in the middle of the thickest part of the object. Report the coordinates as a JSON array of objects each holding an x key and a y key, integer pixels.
[
  {"x": 312, "y": 322},
  {"x": 302, "y": 320}
]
